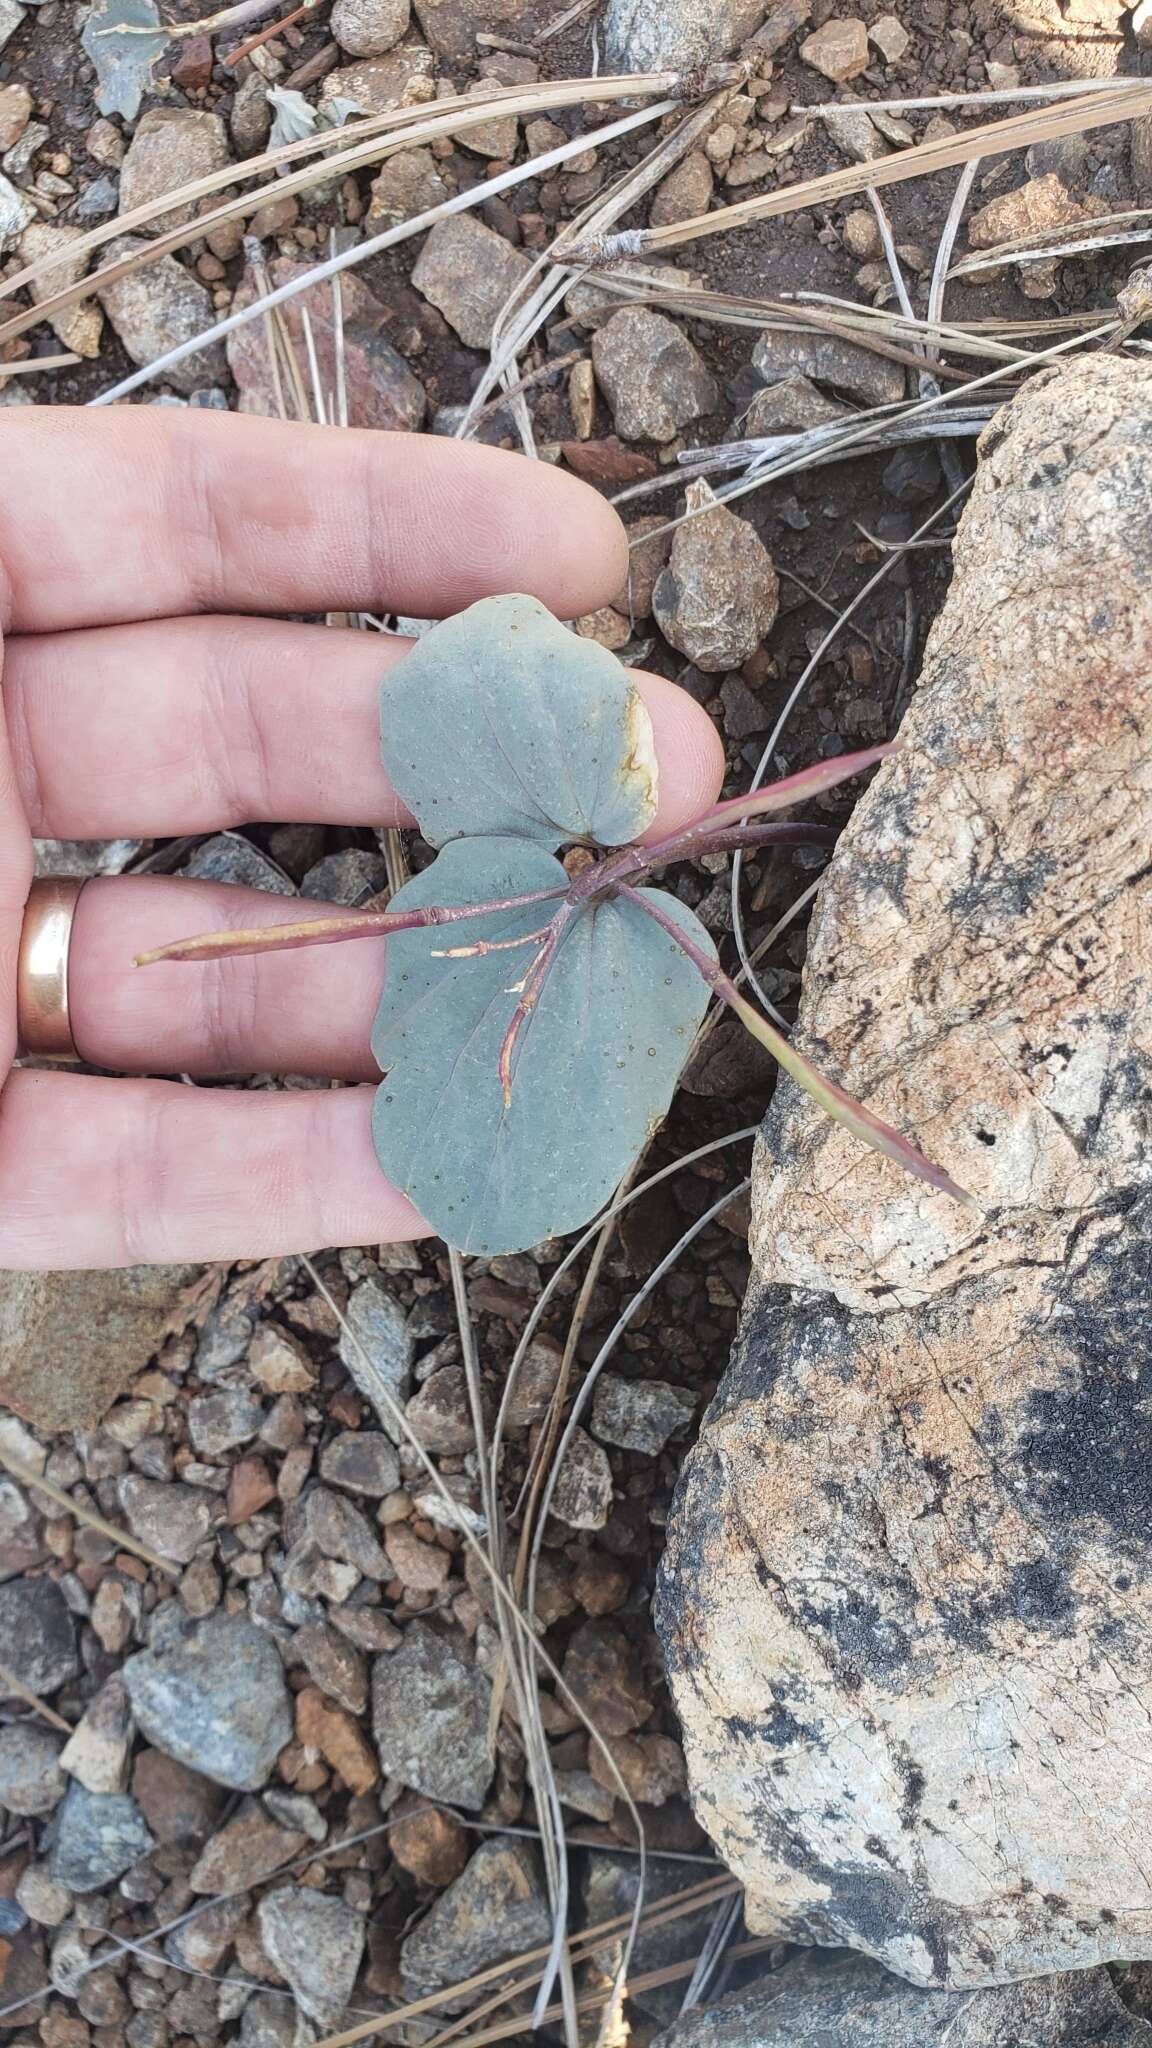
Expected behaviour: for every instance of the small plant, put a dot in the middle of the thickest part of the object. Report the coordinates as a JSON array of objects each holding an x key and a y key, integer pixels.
[{"x": 527, "y": 1064}]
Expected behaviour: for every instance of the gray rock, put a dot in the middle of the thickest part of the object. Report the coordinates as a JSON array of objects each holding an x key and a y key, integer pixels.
[
  {"x": 582, "y": 1495},
  {"x": 790, "y": 406},
  {"x": 430, "y": 1719},
  {"x": 333, "y": 1664},
  {"x": 296, "y": 1811},
  {"x": 98, "y": 1837},
  {"x": 316, "y": 1944},
  {"x": 218, "y": 1422},
  {"x": 157, "y": 308},
  {"x": 250, "y": 120},
  {"x": 15, "y": 212},
  {"x": 213, "y": 1696},
  {"x": 41, "y": 1898},
  {"x": 378, "y": 1327},
  {"x": 676, "y": 35},
  {"x": 496, "y": 1909},
  {"x": 847, "y": 367},
  {"x": 84, "y": 856},
  {"x": 467, "y": 272},
  {"x": 535, "y": 1382},
  {"x": 22, "y": 1545},
  {"x": 833, "y": 1999},
  {"x": 361, "y": 1461},
  {"x": 653, "y": 378},
  {"x": 718, "y": 598},
  {"x": 229, "y": 857},
  {"x": 171, "y": 147},
  {"x": 272, "y": 2022},
  {"x": 440, "y": 1414},
  {"x": 38, "y": 1634},
  {"x": 640, "y": 1415},
  {"x": 367, "y": 28},
  {"x": 376, "y": 84},
  {"x": 855, "y": 133},
  {"x": 98, "y": 199},
  {"x": 31, "y": 1780},
  {"x": 340, "y": 1530},
  {"x": 105, "y": 1326},
  {"x": 408, "y": 183},
  {"x": 904, "y": 1603},
  {"x": 202, "y": 1942},
  {"x": 171, "y": 1519},
  {"x": 350, "y": 877},
  {"x": 11, "y": 15}
]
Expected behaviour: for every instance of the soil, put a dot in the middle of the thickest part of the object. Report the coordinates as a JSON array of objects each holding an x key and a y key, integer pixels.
[{"x": 825, "y": 530}]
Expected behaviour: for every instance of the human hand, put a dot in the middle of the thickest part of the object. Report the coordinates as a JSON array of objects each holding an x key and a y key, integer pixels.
[{"x": 141, "y": 698}]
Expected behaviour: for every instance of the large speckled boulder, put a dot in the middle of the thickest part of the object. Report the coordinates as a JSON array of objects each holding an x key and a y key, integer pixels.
[{"x": 907, "y": 1595}]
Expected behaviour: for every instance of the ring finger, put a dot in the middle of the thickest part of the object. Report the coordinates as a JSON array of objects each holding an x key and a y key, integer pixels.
[{"x": 304, "y": 1012}]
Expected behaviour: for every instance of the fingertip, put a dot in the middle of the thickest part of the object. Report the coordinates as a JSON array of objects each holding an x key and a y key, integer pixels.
[
  {"x": 689, "y": 751},
  {"x": 574, "y": 544}
]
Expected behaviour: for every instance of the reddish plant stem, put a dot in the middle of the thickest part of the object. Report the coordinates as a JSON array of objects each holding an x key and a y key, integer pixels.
[
  {"x": 530, "y": 991},
  {"x": 327, "y": 931},
  {"x": 834, "y": 1100}
]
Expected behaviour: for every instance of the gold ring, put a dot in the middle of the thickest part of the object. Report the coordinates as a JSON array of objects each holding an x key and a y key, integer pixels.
[{"x": 43, "y": 1025}]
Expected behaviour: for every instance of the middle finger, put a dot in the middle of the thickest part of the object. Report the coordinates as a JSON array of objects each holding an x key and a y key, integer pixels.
[{"x": 191, "y": 725}]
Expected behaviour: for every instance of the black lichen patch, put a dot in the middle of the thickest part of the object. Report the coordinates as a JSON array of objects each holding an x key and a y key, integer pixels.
[
  {"x": 868, "y": 1642},
  {"x": 1039, "y": 1597},
  {"x": 1084, "y": 1449}
]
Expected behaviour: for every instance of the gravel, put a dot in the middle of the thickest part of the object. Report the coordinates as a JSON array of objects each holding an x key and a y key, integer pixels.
[
  {"x": 378, "y": 1327},
  {"x": 31, "y": 1779},
  {"x": 430, "y": 1719},
  {"x": 98, "y": 1836},
  {"x": 212, "y": 1695},
  {"x": 316, "y": 1943},
  {"x": 495, "y": 1910},
  {"x": 38, "y": 1635}
]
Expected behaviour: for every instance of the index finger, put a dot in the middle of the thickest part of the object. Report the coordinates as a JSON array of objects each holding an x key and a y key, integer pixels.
[{"x": 147, "y": 512}]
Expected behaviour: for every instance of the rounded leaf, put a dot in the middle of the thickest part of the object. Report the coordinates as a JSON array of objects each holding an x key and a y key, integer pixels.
[
  {"x": 595, "y": 1066},
  {"x": 502, "y": 721}
]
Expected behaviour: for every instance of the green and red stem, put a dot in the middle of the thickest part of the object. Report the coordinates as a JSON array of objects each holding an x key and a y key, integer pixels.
[{"x": 835, "y": 1101}]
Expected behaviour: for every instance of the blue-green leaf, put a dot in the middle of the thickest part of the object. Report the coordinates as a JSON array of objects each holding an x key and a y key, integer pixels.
[
  {"x": 502, "y": 721},
  {"x": 595, "y": 1067},
  {"x": 123, "y": 55}
]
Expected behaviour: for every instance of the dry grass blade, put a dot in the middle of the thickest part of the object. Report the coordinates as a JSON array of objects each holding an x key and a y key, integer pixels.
[
  {"x": 356, "y": 145},
  {"x": 1072, "y": 240},
  {"x": 620, "y": 1202},
  {"x": 793, "y": 698},
  {"x": 879, "y": 328},
  {"x": 1020, "y": 131},
  {"x": 605, "y": 1352},
  {"x": 88, "y": 1516},
  {"x": 523, "y": 1671},
  {"x": 374, "y": 246},
  {"x": 11, "y": 1684},
  {"x": 506, "y": 1604},
  {"x": 530, "y": 303},
  {"x": 34, "y": 366},
  {"x": 1003, "y": 96}
]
